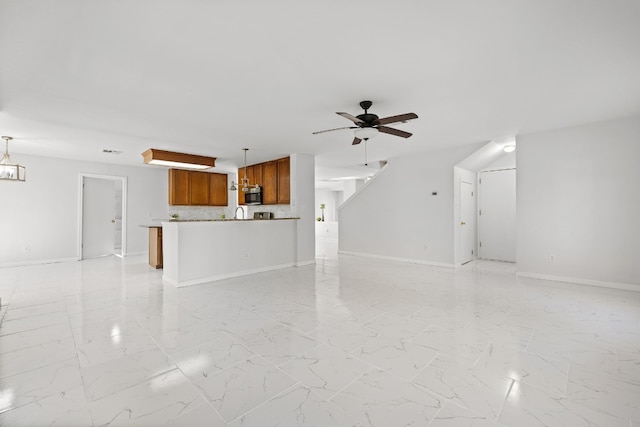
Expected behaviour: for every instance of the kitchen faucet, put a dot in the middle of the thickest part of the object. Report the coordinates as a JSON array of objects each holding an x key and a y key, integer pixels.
[{"x": 235, "y": 215}]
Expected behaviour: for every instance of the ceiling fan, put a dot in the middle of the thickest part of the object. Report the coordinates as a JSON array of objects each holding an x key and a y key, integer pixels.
[{"x": 368, "y": 125}]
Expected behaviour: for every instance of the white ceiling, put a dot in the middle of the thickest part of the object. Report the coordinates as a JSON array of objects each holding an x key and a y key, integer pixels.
[{"x": 212, "y": 77}]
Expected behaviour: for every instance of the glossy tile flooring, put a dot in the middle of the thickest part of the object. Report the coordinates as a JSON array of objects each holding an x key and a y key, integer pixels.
[{"x": 348, "y": 341}]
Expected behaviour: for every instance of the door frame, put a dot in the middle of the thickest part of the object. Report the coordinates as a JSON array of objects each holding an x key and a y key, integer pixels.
[
  {"x": 474, "y": 232},
  {"x": 123, "y": 182}
]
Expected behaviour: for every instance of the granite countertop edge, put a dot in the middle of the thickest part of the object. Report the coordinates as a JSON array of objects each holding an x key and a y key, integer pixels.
[{"x": 159, "y": 224}]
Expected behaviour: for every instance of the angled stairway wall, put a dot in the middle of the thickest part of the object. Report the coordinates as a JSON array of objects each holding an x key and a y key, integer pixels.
[{"x": 395, "y": 214}]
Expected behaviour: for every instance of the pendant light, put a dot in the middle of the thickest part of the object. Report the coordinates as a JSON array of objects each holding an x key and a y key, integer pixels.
[
  {"x": 10, "y": 171},
  {"x": 244, "y": 182}
]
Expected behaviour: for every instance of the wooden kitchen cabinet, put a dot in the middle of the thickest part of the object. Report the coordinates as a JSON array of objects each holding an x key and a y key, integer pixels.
[
  {"x": 284, "y": 188},
  {"x": 240, "y": 192},
  {"x": 218, "y": 195},
  {"x": 193, "y": 188},
  {"x": 255, "y": 174},
  {"x": 178, "y": 187},
  {"x": 270, "y": 183},
  {"x": 273, "y": 177},
  {"x": 199, "y": 188}
]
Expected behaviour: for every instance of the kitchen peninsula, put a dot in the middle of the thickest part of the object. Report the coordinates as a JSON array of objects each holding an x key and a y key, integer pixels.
[{"x": 199, "y": 251}]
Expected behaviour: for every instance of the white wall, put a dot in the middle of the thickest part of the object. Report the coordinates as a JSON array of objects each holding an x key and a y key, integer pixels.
[
  {"x": 578, "y": 199},
  {"x": 375, "y": 220},
  {"x": 350, "y": 186},
  {"x": 302, "y": 206},
  {"x": 42, "y": 213},
  {"x": 504, "y": 161}
]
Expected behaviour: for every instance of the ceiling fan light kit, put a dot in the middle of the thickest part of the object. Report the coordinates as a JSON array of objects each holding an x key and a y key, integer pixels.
[
  {"x": 10, "y": 171},
  {"x": 365, "y": 133},
  {"x": 368, "y": 125}
]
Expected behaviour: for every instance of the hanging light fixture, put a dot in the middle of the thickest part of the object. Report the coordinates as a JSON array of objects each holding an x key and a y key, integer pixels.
[
  {"x": 10, "y": 171},
  {"x": 243, "y": 182}
]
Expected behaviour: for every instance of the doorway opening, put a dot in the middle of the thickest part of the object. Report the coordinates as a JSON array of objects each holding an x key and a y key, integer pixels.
[
  {"x": 102, "y": 229},
  {"x": 485, "y": 232}
]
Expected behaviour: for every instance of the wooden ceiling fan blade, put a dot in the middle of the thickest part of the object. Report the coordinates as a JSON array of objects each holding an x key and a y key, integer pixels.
[
  {"x": 356, "y": 141},
  {"x": 331, "y": 130},
  {"x": 398, "y": 118},
  {"x": 348, "y": 116},
  {"x": 396, "y": 132}
]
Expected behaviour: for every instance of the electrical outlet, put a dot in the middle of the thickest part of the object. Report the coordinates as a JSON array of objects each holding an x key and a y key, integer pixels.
[
  {"x": 552, "y": 258},
  {"x": 27, "y": 248},
  {"x": 246, "y": 255},
  {"x": 426, "y": 248}
]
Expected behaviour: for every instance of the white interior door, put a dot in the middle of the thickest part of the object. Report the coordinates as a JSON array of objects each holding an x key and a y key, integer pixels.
[
  {"x": 497, "y": 215},
  {"x": 98, "y": 220},
  {"x": 467, "y": 222}
]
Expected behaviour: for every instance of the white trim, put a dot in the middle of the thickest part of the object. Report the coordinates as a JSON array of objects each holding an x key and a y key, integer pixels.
[
  {"x": 36, "y": 262},
  {"x": 201, "y": 280},
  {"x": 123, "y": 180},
  {"x": 457, "y": 222},
  {"x": 303, "y": 263},
  {"x": 589, "y": 282},
  {"x": 407, "y": 260},
  {"x": 499, "y": 169}
]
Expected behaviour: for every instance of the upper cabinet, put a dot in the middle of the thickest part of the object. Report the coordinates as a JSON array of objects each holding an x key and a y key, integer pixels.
[
  {"x": 284, "y": 188},
  {"x": 218, "y": 189},
  {"x": 178, "y": 187},
  {"x": 199, "y": 188},
  {"x": 193, "y": 188},
  {"x": 273, "y": 177},
  {"x": 254, "y": 175},
  {"x": 270, "y": 183}
]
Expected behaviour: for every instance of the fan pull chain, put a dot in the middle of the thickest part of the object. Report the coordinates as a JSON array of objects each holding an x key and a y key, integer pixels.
[{"x": 365, "y": 152}]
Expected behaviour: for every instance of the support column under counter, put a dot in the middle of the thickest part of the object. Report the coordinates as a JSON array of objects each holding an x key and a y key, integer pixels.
[
  {"x": 155, "y": 245},
  {"x": 204, "y": 251}
]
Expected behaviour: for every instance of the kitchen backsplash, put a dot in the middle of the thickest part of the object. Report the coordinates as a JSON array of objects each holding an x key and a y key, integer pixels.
[
  {"x": 279, "y": 211},
  {"x": 214, "y": 212}
]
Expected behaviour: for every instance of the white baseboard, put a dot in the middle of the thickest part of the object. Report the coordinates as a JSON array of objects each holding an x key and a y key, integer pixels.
[
  {"x": 201, "y": 280},
  {"x": 391, "y": 258},
  {"x": 303, "y": 263},
  {"x": 578, "y": 281},
  {"x": 36, "y": 262}
]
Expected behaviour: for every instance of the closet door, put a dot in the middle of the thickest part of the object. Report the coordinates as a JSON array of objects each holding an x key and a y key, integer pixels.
[{"x": 497, "y": 215}]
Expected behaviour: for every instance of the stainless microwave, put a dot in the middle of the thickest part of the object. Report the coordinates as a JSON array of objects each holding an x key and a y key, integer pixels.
[{"x": 253, "y": 196}]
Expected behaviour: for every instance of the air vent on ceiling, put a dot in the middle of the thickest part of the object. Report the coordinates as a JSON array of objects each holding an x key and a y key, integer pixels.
[{"x": 111, "y": 151}]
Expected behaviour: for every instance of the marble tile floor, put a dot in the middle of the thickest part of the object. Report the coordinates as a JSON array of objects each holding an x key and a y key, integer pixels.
[{"x": 350, "y": 341}]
